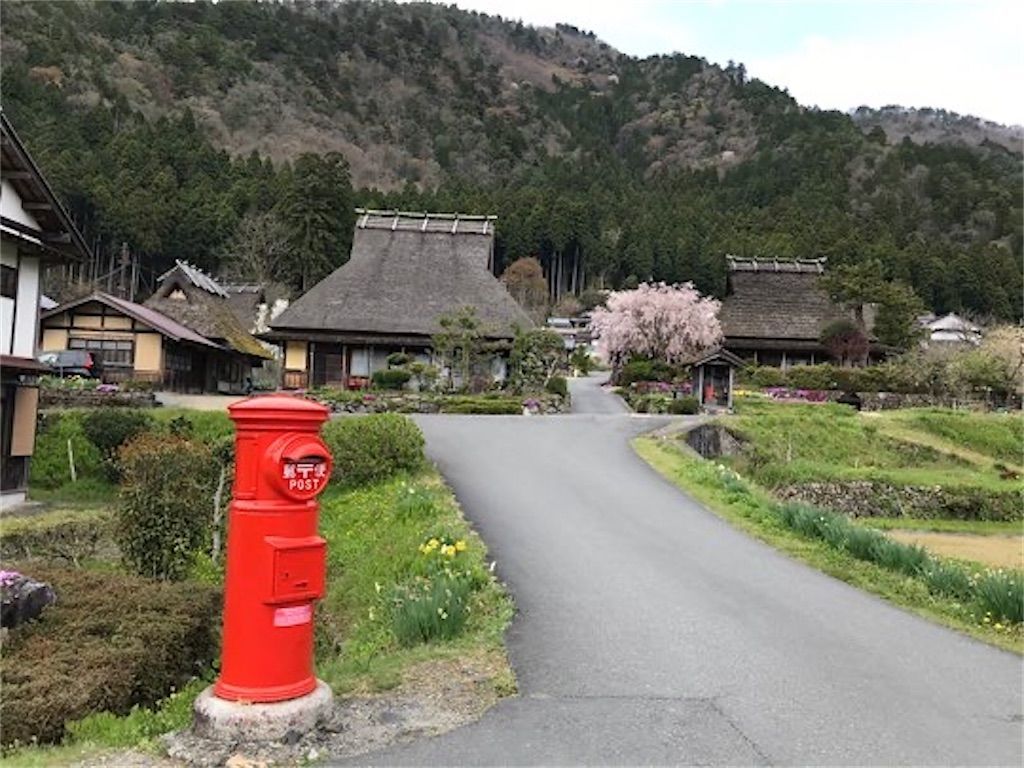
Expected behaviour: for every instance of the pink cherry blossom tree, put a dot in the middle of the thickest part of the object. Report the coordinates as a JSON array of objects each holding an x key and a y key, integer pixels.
[{"x": 673, "y": 323}]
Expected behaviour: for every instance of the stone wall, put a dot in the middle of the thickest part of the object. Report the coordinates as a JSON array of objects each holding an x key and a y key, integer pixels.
[
  {"x": 866, "y": 498},
  {"x": 78, "y": 398},
  {"x": 713, "y": 440}
]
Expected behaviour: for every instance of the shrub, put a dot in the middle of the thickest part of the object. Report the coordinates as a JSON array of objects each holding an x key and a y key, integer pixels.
[
  {"x": 684, "y": 406},
  {"x": 640, "y": 369},
  {"x": 398, "y": 359},
  {"x": 208, "y": 427},
  {"x": 50, "y": 461},
  {"x": 1001, "y": 593},
  {"x": 110, "y": 642},
  {"x": 371, "y": 448},
  {"x": 110, "y": 428},
  {"x": 61, "y": 535},
  {"x": 165, "y": 511},
  {"x": 557, "y": 385},
  {"x": 393, "y": 378},
  {"x": 535, "y": 356}
]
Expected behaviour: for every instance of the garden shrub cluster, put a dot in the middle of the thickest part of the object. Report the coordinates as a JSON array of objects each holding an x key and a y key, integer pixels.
[
  {"x": 374, "y": 447},
  {"x": 954, "y": 374},
  {"x": 110, "y": 642},
  {"x": 392, "y": 378},
  {"x": 165, "y": 511}
]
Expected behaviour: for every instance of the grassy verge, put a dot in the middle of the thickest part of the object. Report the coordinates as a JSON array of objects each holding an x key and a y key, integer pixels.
[
  {"x": 374, "y": 536},
  {"x": 798, "y": 443},
  {"x": 976, "y": 527},
  {"x": 756, "y": 512}
]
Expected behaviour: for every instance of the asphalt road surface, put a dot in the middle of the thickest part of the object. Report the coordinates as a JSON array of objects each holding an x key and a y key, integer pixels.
[{"x": 651, "y": 632}]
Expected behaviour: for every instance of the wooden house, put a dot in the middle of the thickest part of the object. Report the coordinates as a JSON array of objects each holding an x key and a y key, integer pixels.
[
  {"x": 406, "y": 270},
  {"x": 774, "y": 311},
  {"x": 131, "y": 341},
  {"x": 35, "y": 230},
  {"x": 195, "y": 300}
]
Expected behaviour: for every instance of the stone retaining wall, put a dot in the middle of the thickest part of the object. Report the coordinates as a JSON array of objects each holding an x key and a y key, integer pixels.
[
  {"x": 72, "y": 398},
  {"x": 866, "y": 498}
]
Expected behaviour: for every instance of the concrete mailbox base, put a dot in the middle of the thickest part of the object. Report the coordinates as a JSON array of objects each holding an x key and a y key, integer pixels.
[{"x": 222, "y": 720}]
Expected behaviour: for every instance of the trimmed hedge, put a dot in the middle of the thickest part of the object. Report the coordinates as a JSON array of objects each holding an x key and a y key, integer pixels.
[
  {"x": 110, "y": 642},
  {"x": 393, "y": 378},
  {"x": 370, "y": 448},
  {"x": 483, "y": 407},
  {"x": 68, "y": 536}
]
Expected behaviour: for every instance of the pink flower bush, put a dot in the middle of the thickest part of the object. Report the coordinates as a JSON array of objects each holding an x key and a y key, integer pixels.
[{"x": 673, "y": 323}]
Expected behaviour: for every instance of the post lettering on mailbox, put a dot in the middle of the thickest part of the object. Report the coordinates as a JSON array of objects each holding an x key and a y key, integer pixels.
[{"x": 304, "y": 475}]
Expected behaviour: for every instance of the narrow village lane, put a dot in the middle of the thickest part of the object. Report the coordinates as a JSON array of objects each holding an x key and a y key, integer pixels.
[{"x": 649, "y": 631}]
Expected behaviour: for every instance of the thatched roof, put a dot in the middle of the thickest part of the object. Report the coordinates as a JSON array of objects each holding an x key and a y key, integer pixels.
[
  {"x": 244, "y": 300},
  {"x": 197, "y": 301},
  {"x": 403, "y": 275},
  {"x": 776, "y": 299}
]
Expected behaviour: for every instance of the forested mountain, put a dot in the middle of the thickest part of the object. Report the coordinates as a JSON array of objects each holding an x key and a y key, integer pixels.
[{"x": 201, "y": 131}]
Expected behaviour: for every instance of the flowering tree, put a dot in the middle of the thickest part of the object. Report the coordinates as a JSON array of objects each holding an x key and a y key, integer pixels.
[{"x": 673, "y": 323}]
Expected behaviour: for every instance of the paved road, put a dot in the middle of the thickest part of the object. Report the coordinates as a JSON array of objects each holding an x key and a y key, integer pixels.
[{"x": 650, "y": 632}]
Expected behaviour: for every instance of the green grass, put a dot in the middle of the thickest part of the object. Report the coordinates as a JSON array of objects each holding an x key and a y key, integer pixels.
[
  {"x": 997, "y": 435},
  {"x": 373, "y": 537},
  {"x": 798, "y": 443},
  {"x": 938, "y": 525},
  {"x": 753, "y": 510},
  {"x": 91, "y": 736}
]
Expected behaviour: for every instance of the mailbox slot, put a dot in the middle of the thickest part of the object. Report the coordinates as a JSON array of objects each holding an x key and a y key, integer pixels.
[{"x": 298, "y": 568}]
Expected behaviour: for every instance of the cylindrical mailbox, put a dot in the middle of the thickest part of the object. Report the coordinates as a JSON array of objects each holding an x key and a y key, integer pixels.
[{"x": 275, "y": 560}]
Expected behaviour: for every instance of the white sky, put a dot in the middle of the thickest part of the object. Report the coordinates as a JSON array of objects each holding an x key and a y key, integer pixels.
[{"x": 966, "y": 57}]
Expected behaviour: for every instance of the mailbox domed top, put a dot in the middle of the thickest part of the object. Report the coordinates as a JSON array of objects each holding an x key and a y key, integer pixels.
[{"x": 278, "y": 407}]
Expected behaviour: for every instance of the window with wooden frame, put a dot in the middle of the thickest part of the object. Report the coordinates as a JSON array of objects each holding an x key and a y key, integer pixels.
[{"x": 112, "y": 353}]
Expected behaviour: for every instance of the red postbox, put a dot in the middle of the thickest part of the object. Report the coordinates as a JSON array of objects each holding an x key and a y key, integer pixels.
[{"x": 276, "y": 562}]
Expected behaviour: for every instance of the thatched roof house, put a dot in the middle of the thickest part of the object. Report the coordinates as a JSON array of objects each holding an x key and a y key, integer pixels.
[
  {"x": 192, "y": 298},
  {"x": 775, "y": 310},
  {"x": 406, "y": 270}
]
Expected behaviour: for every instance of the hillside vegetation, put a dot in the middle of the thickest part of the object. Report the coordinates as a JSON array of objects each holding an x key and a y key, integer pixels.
[{"x": 173, "y": 127}]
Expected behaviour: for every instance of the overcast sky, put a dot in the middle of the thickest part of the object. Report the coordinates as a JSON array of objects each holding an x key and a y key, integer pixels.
[{"x": 966, "y": 57}]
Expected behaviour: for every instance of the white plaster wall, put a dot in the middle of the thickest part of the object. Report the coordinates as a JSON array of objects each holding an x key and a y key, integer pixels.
[
  {"x": 19, "y": 320},
  {"x": 26, "y": 325},
  {"x": 10, "y": 206},
  {"x": 9, "y": 258}
]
